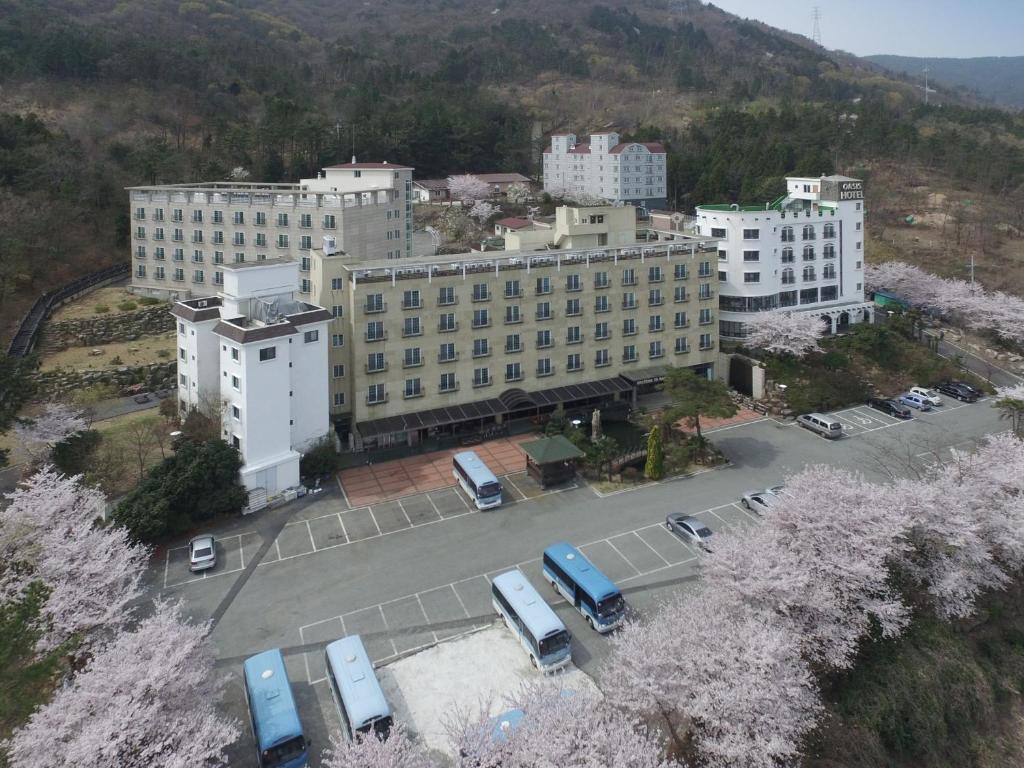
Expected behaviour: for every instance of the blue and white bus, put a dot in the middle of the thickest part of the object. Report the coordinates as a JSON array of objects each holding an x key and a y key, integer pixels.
[
  {"x": 539, "y": 630},
  {"x": 580, "y": 582},
  {"x": 476, "y": 479},
  {"x": 360, "y": 698},
  {"x": 280, "y": 742}
]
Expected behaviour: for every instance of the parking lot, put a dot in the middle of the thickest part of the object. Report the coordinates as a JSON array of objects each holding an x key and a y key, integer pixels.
[
  {"x": 861, "y": 419},
  {"x": 400, "y": 626},
  {"x": 330, "y": 523}
]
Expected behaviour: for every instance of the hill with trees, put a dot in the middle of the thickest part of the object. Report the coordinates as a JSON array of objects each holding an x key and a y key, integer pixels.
[{"x": 999, "y": 79}]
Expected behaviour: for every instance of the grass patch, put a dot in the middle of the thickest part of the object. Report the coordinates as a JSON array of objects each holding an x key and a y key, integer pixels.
[
  {"x": 144, "y": 350},
  {"x": 25, "y": 679}
]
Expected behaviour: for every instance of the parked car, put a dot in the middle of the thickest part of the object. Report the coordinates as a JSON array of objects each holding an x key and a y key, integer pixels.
[
  {"x": 202, "y": 553},
  {"x": 826, "y": 426},
  {"x": 928, "y": 394},
  {"x": 915, "y": 401},
  {"x": 959, "y": 390},
  {"x": 890, "y": 407},
  {"x": 761, "y": 501},
  {"x": 689, "y": 529}
]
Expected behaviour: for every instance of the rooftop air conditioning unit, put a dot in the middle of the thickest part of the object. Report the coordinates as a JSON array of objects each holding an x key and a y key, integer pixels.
[{"x": 330, "y": 245}]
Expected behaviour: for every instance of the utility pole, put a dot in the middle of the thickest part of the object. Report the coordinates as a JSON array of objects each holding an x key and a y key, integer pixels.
[{"x": 926, "y": 84}]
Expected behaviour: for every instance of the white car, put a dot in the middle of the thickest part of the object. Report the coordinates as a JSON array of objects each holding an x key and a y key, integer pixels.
[
  {"x": 930, "y": 396},
  {"x": 761, "y": 501}
]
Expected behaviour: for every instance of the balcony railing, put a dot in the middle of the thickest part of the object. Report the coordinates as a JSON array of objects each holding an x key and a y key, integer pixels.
[{"x": 376, "y": 308}]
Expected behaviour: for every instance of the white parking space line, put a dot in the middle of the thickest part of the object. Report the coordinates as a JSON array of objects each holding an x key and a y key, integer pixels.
[
  {"x": 457, "y": 597},
  {"x": 666, "y": 562},
  {"x": 278, "y": 548},
  {"x": 310, "y": 532},
  {"x": 461, "y": 498},
  {"x": 342, "y": 489},
  {"x": 518, "y": 489},
  {"x": 425, "y": 617},
  {"x": 394, "y": 648},
  {"x": 341, "y": 521},
  {"x": 372, "y": 517},
  {"x": 628, "y": 562},
  {"x": 402, "y": 507},
  {"x": 167, "y": 566},
  {"x": 436, "y": 510}
]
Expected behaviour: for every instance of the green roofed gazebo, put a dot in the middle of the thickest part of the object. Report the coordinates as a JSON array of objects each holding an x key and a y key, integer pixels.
[{"x": 551, "y": 460}]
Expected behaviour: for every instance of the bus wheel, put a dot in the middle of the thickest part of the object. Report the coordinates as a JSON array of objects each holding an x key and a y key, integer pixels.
[
  {"x": 554, "y": 586},
  {"x": 590, "y": 621},
  {"x": 533, "y": 660}
]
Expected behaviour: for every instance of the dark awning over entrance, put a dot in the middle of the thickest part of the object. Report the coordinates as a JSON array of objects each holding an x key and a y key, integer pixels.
[
  {"x": 640, "y": 376},
  {"x": 508, "y": 402}
]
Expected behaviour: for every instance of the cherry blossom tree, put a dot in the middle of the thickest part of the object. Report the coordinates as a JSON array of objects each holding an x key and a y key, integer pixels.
[
  {"x": 979, "y": 309},
  {"x": 91, "y": 574},
  {"x": 483, "y": 210},
  {"x": 148, "y": 699},
  {"x": 518, "y": 193},
  {"x": 467, "y": 188},
  {"x": 54, "y": 425},
  {"x": 558, "y": 728},
  {"x": 734, "y": 673},
  {"x": 966, "y": 524},
  {"x": 1010, "y": 403},
  {"x": 785, "y": 331},
  {"x": 398, "y": 750},
  {"x": 822, "y": 561}
]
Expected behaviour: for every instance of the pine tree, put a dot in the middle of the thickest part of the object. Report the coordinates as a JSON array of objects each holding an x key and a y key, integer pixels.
[{"x": 655, "y": 467}]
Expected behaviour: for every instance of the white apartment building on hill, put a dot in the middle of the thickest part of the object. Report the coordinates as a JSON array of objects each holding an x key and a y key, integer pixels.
[
  {"x": 184, "y": 235},
  {"x": 256, "y": 357},
  {"x": 804, "y": 250},
  {"x": 620, "y": 172}
]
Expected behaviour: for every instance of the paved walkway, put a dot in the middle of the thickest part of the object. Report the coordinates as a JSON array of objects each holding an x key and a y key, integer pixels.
[
  {"x": 375, "y": 483},
  {"x": 743, "y": 415}
]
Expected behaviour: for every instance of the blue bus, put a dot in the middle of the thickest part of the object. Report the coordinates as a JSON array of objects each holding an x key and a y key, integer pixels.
[
  {"x": 539, "y": 630},
  {"x": 577, "y": 580},
  {"x": 360, "y": 698},
  {"x": 280, "y": 742},
  {"x": 476, "y": 479}
]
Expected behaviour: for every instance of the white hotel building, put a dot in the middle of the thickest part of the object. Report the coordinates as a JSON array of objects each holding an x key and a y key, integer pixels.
[
  {"x": 804, "y": 250},
  {"x": 184, "y": 235},
  {"x": 620, "y": 172},
  {"x": 257, "y": 357}
]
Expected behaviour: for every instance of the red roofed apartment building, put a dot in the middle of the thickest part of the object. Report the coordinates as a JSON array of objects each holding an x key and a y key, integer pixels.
[{"x": 627, "y": 172}]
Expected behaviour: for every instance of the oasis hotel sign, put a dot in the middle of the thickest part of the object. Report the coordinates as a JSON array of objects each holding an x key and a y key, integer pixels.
[{"x": 853, "y": 189}]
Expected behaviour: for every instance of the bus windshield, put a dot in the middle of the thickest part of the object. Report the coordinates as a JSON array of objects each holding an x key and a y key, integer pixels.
[
  {"x": 286, "y": 751},
  {"x": 610, "y": 606},
  {"x": 381, "y": 727},
  {"x": 489, "y": 490},
  {"x": 554, "y": 643}
]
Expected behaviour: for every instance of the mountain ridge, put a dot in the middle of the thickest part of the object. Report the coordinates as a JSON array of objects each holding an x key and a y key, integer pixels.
[{"x": 999, "y": 79}]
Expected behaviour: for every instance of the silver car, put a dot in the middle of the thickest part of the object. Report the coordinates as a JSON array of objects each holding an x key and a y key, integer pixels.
[
  {"x": 689, "y": 529},
  {"x": 202, "y": 553},
  {"x": 760, "y": 501}
]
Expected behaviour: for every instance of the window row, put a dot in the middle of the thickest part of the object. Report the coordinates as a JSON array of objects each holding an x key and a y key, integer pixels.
[{"x": 238, "y": 218}]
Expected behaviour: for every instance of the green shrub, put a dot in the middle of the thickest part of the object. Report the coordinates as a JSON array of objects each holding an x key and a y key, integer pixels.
[
  {"x": 148, "y": 301},
  {"x": 100, "y": 309},
  {"x": 320, "y": 460},
  {"x": 127, "y": 306},
  {"x": 655, "y": 467},
  {"x": 74, "y": 456},
  {"x": 198, "y": 482},
  {"x": 116, "y": 360},
  {"x": 630, "y": 474},
  {"x": 163, "y": 353}
]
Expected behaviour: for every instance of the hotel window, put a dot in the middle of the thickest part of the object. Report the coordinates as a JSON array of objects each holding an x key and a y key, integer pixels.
[
  {"x": 305, "y": 220},
  {"x": 573, "y": 283},
  {"x": 236, "y": 382},
  {"x": 544, "y": 310},
  {"x": 600, "y": 279},
  {"x": 751, "y": 234},
  {"x": 481, "y": 377},
  {"x": 751, "y": 255},
  {"x": 629, "y": 277},
  {"x": 513, "y": 372},
  {"x": 197, "y": 276},
  {"x": 751, "y": 277},
  {"x": 337, "y": 340},
  {"x": 481, "y": 318},
  {"x": 705, "y": 316},
  {"x": 680, "y": 320},
  {"x": 654, "y": 275},
  {"x": 282, "y": 241},
  {"x": 705, "y": 341},
  {"x": 573, "y": 335},
  {"x": 481, "y": 292},
  {"x": 513, "y": 343},
  {"x": 654, "y": 324},
  {"x": 336, "y": 283},
  {"x": 512, "y": 289},
  {"x": 629, "y": 353},
  {"x": 573, "y": 362},
  {"x": 305, "y": 243},
  {"x": 481, "y": 348},
  {"x": 412, "y": 327},
  {"x": 268, "y": 353},
  {"x": 337, "y": 310},
  {"x": 261, "y": 219},
  {"x": 446, "y": 353},
  {"x": 601, "y": 358},
  {"x": 329, "y": 221},
  {"x": 448, "y": 382},
  {"x": 512, "y": 314},
  {"x": 446, "y": 322},
  {"x": 339, "y": 371},
  {"x": 543, "y": 285},
  {"x": 544, "y": 366},
  {"x": 543, "y": 339},
  {"x": 310, "y": 336},
  {"x": 140, "y": 270},
  {"x": 629, "y": 327},
  {"x": 655, "y": 350},
  {"x": 238, "y": 217},
  {"x": 412, "y": 388},
  {"x": 376, "y": 393},
  {"x": 601, "y": 331},
  {"x": 679, "y": 272},
  {"x": 411, "y": 300},
  {"x": 375, "y": 331},
  {"x": 339, "y": 398},
  {"x": 654, "y": 298},
  {"x": 681, "y": 345},
  {"x": 282, "y": 219}
]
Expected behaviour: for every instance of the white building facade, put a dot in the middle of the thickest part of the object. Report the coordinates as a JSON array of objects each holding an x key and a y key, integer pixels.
[
  {"x": 620, "y": 172},
  {"x": 183, "y": 235},
  {"x": 256, "y": 357},
  {"x": 804, "y": 251}
]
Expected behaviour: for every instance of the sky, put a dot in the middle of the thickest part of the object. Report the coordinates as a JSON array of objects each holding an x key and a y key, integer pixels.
[{"x": 956, "y": 28}]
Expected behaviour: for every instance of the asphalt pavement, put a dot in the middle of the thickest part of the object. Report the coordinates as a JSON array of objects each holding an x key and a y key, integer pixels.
[{"x": 298, "y": 576}]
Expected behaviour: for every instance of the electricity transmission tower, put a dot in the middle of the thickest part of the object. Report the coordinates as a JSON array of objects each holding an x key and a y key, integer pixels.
[{"x": 816, "y": 33}]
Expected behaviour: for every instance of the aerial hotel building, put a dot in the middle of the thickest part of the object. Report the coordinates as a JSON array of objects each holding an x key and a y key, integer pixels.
[
  {"x": 621, "y": 172},
  {"x": 804, "y": 251},
  {"x": 184, "y": 236}
]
